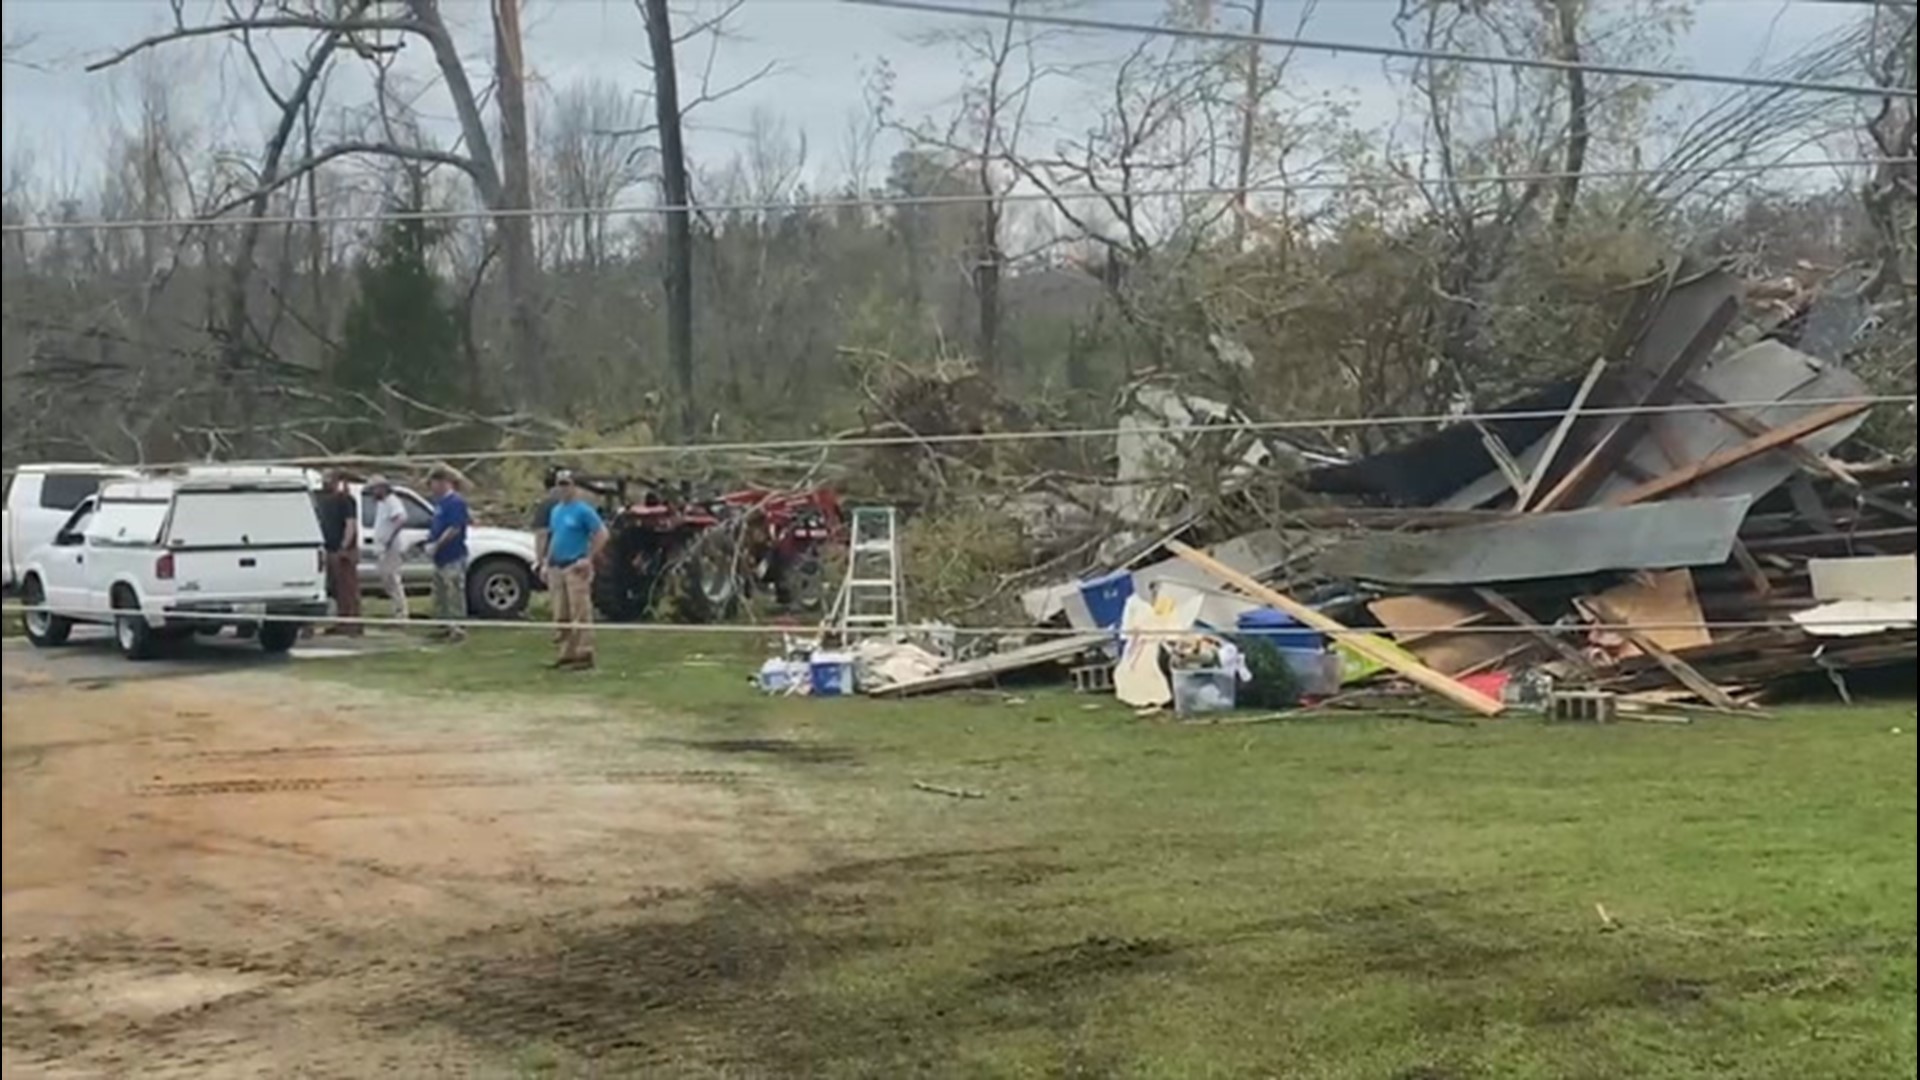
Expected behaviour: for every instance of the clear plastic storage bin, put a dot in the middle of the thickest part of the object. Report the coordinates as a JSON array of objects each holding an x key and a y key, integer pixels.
[{"x": 1202, "y": 690}]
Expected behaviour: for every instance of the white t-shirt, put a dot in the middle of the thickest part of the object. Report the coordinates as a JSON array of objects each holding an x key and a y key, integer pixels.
[{"x": 389, "y": 517}]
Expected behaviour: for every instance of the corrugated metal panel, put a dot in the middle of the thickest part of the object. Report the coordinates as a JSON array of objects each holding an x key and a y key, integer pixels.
[{"x": 1653, "y": 536}]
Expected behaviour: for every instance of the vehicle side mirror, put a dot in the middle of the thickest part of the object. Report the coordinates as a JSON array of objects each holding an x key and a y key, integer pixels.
[{"x": 66, "y": 538}]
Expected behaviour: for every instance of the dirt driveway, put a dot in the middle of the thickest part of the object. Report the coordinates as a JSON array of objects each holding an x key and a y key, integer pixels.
[{"x": 252, "y": 873}]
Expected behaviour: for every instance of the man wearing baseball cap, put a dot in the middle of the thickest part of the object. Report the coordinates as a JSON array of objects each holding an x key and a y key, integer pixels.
[
  {"x": 389, "y": 522},
  {"x": 575, "y": 537}
]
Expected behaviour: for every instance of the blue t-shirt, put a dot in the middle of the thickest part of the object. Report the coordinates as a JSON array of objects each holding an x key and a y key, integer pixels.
[
  {"x": 449, "y": 513},
  {"x": 570, "y": 530}
]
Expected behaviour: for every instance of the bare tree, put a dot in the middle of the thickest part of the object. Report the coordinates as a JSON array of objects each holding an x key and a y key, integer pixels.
[
  {"x": 1890, "y": 193},
  {"x": 500, "y": 183},
  {"x": 983, "y": 133},
  {"x": 1565, "y": 18},
  {"x": 595, "y": 147}
]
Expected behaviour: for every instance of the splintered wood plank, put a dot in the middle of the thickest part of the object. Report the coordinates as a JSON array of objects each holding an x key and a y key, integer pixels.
[
  {"x": 1519, "y": 617},
  {"x": 1676, "y": 667},
  {"x": 1746, "y": 451},
  {"x": 1559, "y": 436},
  {"x": 1586, "y": 477}
]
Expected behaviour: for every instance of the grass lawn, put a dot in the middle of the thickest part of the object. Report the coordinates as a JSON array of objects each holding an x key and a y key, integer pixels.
[{"x": 1331, "y": 898}]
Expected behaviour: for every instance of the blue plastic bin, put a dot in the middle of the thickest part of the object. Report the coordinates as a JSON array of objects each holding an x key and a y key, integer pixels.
[
  {"x": 1106, "y": 597},
  {"x": 830, "y": 675},
  {"x": 1281, "y": 630}
]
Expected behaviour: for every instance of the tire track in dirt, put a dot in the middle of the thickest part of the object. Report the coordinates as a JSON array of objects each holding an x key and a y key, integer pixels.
[
  {"x": 191, "y": 862},
  {"x": 270, "y": 785}
]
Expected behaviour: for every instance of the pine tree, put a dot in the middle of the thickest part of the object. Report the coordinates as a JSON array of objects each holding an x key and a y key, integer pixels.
[{"x": 400, "y": 331}]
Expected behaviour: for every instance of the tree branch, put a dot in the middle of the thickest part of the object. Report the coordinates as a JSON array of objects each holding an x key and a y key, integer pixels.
[
  {"x": 239, "y": 26},
  {"x": 347, "y": 149}
]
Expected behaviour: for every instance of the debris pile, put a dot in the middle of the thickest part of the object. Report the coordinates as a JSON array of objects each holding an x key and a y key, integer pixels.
[{"x": 1686, "y": 522}]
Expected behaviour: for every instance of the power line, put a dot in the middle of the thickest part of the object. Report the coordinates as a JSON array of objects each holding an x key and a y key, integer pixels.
[
  {"x": 1026, "y": 436},
  {"x": 1076, "y": 22},
  {"x": 958, "y": 199},
  {"x": 723, "y": 629}
]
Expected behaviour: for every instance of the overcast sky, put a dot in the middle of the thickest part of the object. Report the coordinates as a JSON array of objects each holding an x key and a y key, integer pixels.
[{"x": 823, "y": 50}]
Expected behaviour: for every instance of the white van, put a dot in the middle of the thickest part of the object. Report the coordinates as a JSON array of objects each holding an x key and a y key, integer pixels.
[
  {"x": 40, "y": 498},
  {"x": 159, "y": 558}
]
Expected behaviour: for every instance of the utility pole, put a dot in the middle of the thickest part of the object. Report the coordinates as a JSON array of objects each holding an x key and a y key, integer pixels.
[
  {"x": 673, "y": 186},
  {"x": 1249, "y": 112},
  {"x": 516, "y": 190}
]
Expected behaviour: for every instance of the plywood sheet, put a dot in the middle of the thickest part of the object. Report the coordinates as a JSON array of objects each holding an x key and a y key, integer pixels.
[
  {"x": 1664, "y": 607},
  {"x": 1418, "y": 625},
  {"x": 1877, "y": 578}
]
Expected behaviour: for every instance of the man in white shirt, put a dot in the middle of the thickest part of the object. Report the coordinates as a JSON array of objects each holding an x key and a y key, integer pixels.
[{"x": 389, "y": 520}]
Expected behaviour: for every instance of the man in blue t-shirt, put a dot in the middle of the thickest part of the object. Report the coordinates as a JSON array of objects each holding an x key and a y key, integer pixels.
[
  {"x": 447, "y": 544},
  {"x": 575, "y": 537}
]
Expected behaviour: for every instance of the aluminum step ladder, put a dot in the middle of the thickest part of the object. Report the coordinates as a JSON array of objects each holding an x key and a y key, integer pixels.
[{"x": 870, "y": 596}]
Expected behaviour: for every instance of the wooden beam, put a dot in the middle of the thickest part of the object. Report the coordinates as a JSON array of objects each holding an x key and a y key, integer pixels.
[
  {"x": 1519, "y": 617},
  {"x": 1762, "y": 585},
  {"x": 1502, "y": 457},
  {"x": 1676, "y": 667},
  {"x": 1359, "y": 641},
  {"x": 1592, "y": 471},
  {"x": 1545, "y": 465},
  {"x": 1753, "y": 427},
  {"x": 1746, "y": 451}
]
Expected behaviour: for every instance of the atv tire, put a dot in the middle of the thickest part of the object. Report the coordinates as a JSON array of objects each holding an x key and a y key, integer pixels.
[{"x": 706, "y": 588}]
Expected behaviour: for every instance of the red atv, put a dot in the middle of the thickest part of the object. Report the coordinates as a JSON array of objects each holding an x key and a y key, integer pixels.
[
  {"x": 787, "y": 535},
  {"x": 695, "y": 560},
  {"x": 662, "y": 555}
]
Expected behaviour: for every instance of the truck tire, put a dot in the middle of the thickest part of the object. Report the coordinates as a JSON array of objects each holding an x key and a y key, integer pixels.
[
  {"x": 43, "y": 628},
  {"x": 131, "y": 632},
  {"x": 278, "y": 637},
  {"x": 498, "y": 587}
]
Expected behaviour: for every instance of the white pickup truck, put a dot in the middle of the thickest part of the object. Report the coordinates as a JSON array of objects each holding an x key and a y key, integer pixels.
[
  {"x": 40, "y": 499},
  {"x": 500, "y": 577},
  {"x": 170, "y": 557}
]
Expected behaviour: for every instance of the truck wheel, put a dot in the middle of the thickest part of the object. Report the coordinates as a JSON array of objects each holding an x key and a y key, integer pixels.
[
  {"x": 278, "y": 637},
  {"x": 498, "y": 588},
  {"x": 44, "y": 629},
  {"x": 130, "y": 630}
]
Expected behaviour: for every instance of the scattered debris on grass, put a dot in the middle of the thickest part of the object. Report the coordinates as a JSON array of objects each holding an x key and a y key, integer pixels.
[
  {"x": 949, "y": 792},
  {"x": 1684, "y": 525}
]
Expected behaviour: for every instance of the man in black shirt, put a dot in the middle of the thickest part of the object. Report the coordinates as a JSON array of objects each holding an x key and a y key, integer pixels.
[{"x": 339, "y": 514}]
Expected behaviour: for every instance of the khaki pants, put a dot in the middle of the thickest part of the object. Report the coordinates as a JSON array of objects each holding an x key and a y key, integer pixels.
[
  {"x": 392, "y": 582},
  {"x": 572, "y": 592}
]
